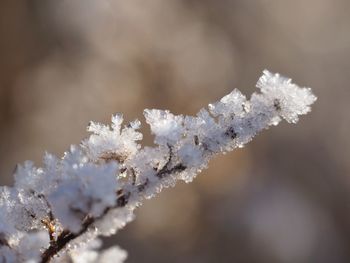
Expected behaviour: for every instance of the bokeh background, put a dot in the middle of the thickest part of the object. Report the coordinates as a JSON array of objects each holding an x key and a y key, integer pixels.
[{"x": 285, "y": 198}]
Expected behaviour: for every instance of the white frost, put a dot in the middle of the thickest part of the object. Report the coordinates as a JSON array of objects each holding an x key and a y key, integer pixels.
[{"x": 95, "y": 187}]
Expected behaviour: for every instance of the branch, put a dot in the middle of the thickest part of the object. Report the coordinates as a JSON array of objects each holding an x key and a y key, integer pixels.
[{"x": 53, "y": 211}]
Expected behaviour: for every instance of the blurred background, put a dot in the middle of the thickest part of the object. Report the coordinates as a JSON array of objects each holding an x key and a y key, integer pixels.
[{"x": 285, "y": 198}]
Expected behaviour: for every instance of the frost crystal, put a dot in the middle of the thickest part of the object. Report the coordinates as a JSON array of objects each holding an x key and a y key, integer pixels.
[{"x": 56, "y": 212}]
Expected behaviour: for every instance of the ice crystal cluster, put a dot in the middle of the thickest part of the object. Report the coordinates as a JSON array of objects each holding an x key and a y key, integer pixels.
[{"x": 56, "y": 213}]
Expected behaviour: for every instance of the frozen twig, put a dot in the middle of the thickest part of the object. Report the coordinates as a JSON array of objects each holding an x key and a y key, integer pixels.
[{"x": 54, "y": 211}]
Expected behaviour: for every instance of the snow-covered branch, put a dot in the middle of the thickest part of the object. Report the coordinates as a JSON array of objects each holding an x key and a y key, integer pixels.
[{"x": 54, "y": 211}]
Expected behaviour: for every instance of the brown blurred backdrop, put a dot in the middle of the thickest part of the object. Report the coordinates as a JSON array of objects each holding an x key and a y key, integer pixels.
[{"x": 282, "y": 199}]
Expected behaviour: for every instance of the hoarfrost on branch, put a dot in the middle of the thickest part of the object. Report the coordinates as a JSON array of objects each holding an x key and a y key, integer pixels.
[{"x": 57, "y": 212}]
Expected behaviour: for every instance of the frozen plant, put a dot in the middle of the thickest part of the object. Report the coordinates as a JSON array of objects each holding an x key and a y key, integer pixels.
[{"x": 54, "y": 213}]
